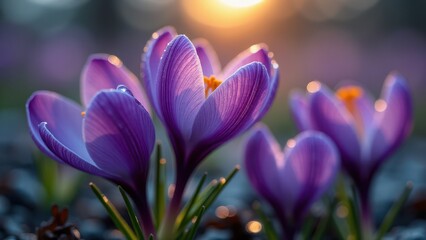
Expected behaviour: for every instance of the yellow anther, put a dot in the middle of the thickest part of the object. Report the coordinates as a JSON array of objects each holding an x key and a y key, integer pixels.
[
  {"x": 348, "y": 95},
  {"x": 83, "y": 114},
  {"x": 211, "y": 83}
]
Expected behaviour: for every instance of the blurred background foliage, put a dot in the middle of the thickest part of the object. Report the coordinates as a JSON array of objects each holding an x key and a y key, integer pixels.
[{"x": 44, "y": 44}]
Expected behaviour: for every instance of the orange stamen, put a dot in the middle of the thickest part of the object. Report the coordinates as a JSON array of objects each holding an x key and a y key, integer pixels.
[
  {"x": 83, "y": 114},
  {"x": 211, "y": 83},
  {"x": 348, "y": 95}
]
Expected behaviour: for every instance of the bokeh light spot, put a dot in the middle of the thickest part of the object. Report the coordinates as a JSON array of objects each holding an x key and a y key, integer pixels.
[
  {"x": 313, "y": 86},
  {"x": 254, "y": 227},
  {"x": 222, "y": 212},
  {"x": 380, "y": 105}
]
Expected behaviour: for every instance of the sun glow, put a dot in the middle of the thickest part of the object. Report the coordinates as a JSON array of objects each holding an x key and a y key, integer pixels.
[
  {"x": 241, "y": 3},
  {"x": 225, "y": 13}
]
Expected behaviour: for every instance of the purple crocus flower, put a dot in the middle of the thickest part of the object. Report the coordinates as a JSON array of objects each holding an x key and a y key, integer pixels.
[
  {"x": 291, "y": 180},
  {"x": 365, "y": 132},
  {"x": 113, "y": 138},
  {"x": 201, "y": 106}
]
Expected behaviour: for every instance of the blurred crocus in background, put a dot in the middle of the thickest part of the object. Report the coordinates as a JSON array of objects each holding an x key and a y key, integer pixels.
[
  {"x": 291, "y": 180},
  {"x": 201, "y": 106},
  {"x": 113, "y": 138},
  {"x": 365, "y": 131}
]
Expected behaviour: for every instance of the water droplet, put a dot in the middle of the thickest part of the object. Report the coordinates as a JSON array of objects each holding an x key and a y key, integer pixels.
[
  {"x": 115, "y": 60},
  {"x": 254, "y": 48},
  {"x": 291, "y": 143}
]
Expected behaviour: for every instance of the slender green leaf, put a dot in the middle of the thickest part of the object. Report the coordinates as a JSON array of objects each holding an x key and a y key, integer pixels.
[
  {"x": 185, "y": 211},
  {"x": 203, "y": 196},
  {"x": 193, "y": 230},
  {"x": 160, "y": 187},
  {"x": 347, "y": 206},
  {"x": 48, "y": 173},
  {"x": 353, "y": 217},
  {"x": 206, "y": 192},
  {"x": 207, "y": 197},
  {"x": 118, "y": 220},
  {"x": 342, "y": 232},
  {"x": 393, "y": 212},
  {"x": 308, "y": 227},
  {"x": 270, "y": 232},
  {"x": 319, "y": 232},
  {"x": 132, "y": 215},
  {"x": 222, "y": 184}
]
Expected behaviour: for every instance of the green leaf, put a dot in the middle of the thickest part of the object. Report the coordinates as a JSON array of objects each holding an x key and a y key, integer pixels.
[
  {"x": 351, "y": 226},
  {"x": 393, "y": 212},
  {"x": 271, "y": 234},
  {"x": 307, "y": 227},
  {"x": 118, "y": 220},
  {"x": 60, "y": 184},
  {"x": 183, "y": 215},
  {"x": 205, "y": 194},
  {"x": 193, "y": 230},
  {"x": 207, "y": 197},
  {"x": 222, "y": 184},
  {"x": 341, "y": 228},
  {"x": 354, "y": 211},
  {"x": 160, "y": 187},
  {"x": 132, "y": 215},
  {"x": 323, "y": 223},
  {"x": 48, "y": 173}
]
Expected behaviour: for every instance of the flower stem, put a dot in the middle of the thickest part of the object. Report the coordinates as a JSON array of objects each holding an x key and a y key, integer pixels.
[
  {"x": 288, "y": 232},
  {"x": 366, "y": 215}
]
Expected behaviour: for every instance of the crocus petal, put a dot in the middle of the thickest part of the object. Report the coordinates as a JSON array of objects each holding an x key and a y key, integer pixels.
[
  {"x": 107, "y": 72},
  {"x": 365, "y": 108},
  {"x": 299, "y": 107},
  {"x": 180, "y": 87},
  {"x": 332, "y": 118},
  {"x": 208, "y": 57},
  {"x": 263, "y": 158},
  {"x": 256, "y": 53},
  {"x": 62, "y": 115},
  {"x": 77, "y": 158},
  {"x": 119, "y": 134},
  {"x": 394, "y": 118},
  {"x": 310, "y": 168},
  {"x": 231, "y": 108},
  {"x": 154, "y": 49},
  {"x": 272, "y": 92}
]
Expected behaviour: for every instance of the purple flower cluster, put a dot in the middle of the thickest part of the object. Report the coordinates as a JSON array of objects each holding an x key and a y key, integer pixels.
[
  {"x": 365, "y": 131},
  {"x": 203, "y": 106},
  {"x": 113, "y": 136}
]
